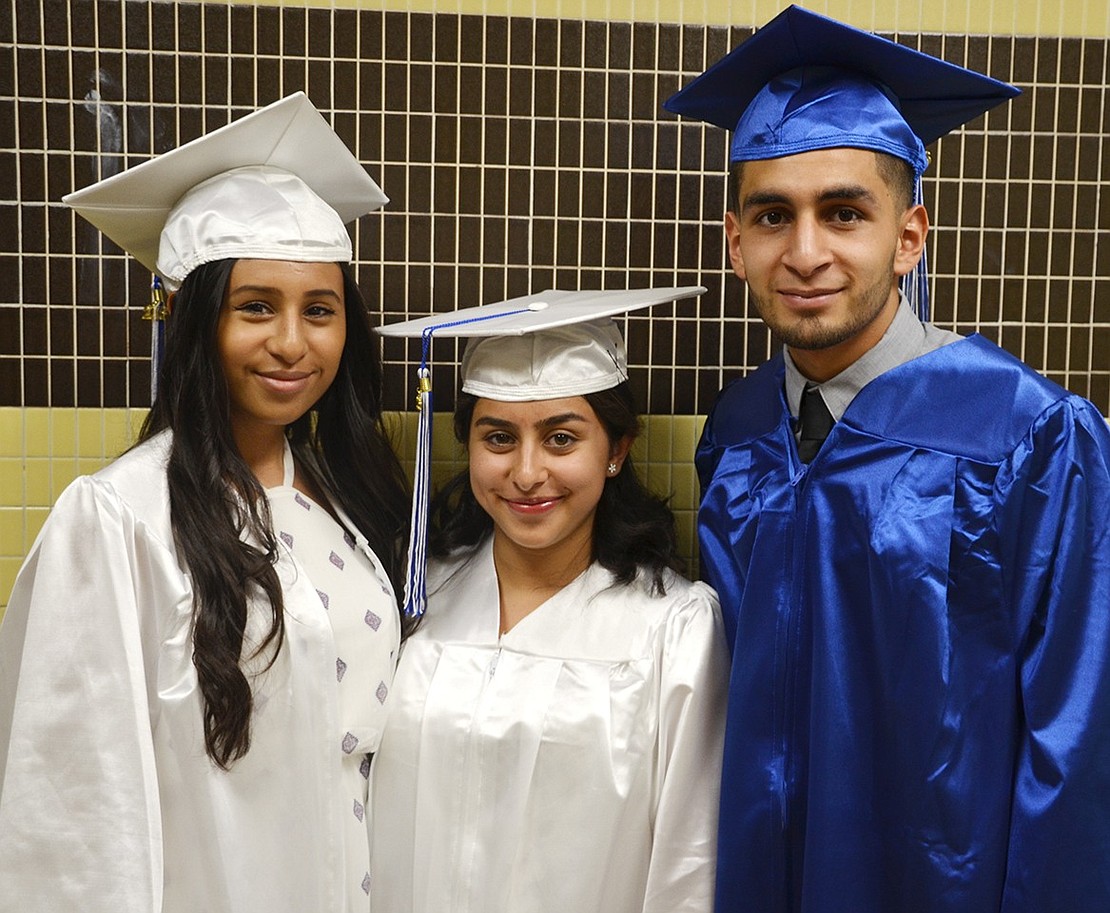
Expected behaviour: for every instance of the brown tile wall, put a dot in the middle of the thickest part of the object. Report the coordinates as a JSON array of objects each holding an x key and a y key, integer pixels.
[{"x": 519, "y": 154}]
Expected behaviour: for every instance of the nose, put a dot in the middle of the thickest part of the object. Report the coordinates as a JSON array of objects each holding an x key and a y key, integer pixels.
[
  {"x": 807, "y": 251},
  {"x": 288, "y": 341},
  {"x": 529, "y": 470}
]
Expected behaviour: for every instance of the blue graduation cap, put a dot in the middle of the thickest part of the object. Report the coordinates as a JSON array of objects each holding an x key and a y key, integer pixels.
[{"x": 805, "y": 82}]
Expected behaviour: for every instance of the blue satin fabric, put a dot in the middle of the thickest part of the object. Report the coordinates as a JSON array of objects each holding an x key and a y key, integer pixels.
[
  {"x": 815, "y": 107},
  {"x": 919, "y": 714}
]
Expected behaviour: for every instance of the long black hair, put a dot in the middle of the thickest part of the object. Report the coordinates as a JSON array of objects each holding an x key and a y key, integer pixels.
[
  {"x": 219, "y": 512},
  {"x": 633, "y": 528}
]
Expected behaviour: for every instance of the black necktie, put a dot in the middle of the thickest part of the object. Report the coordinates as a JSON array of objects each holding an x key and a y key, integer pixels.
[{"x": 814, "y": 422}]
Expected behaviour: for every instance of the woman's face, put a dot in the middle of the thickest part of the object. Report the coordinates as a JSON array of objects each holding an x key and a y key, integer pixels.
[
  {"x": 538, "y": 469},
  {"x": 280, "y": 337}
]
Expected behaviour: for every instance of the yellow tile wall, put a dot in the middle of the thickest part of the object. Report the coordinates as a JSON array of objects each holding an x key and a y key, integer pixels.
[
  {"x": 43, "y": 450},
  {"x": 1063, "y": 18}
]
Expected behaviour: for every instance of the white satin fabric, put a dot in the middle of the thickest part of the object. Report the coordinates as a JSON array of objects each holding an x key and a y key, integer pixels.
[
  {"x": 571, "y": 765},
  {"x": 108, "y": 801},
  {"x": 257, "y": 212}
]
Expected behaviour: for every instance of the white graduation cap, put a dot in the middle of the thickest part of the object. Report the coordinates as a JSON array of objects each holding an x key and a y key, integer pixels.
[
  {"x": 545, "y": 346},
  {"x": 550, "y": 345},
  {"x": 278, "y": 184}
]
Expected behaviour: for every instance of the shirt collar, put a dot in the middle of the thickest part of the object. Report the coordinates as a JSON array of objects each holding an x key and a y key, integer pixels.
[{"x": 902, "y": 341}]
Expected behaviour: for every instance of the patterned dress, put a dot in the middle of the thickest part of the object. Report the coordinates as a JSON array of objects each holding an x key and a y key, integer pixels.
[{"x": 364, "y": 622}]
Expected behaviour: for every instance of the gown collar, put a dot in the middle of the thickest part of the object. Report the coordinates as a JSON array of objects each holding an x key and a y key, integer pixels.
[
  {"x": 288, "y": 466},
  {"x": 904, "y": 340},
  {"x": 465, "y": 604}
]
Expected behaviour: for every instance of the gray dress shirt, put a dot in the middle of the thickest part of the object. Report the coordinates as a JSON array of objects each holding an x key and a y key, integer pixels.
[{"x": 905, "y": 339}]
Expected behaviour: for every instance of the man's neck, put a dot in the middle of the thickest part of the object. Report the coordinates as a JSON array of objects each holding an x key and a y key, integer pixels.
[{"x": 819, "y": 365}]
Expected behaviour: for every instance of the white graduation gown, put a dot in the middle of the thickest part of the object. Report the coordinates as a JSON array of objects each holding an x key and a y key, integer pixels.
[
  {"x": 571, "y": 765},
  {"x": 108, "y": 801}
]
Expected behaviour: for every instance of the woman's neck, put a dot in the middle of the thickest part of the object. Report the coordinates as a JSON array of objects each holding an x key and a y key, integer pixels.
[
  {"x": 263, "y": 450},
  {"x": 527, "y": 578}
]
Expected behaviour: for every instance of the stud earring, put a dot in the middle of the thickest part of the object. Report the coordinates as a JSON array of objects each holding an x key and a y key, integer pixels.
[{"x": 612, "y": 469}]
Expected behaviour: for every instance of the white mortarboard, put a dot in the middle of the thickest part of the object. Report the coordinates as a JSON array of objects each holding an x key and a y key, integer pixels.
[
  {"x": 550, "y": 345},
  {"x": 278, "y": 184},
  {"x": 544, "y": 346}
]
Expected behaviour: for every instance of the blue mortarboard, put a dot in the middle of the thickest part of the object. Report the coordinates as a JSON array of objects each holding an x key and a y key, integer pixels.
[{"x": 806, "y": 82}]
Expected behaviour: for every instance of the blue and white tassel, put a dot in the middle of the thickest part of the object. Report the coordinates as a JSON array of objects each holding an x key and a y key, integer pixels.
[
  {"x": 915, "y": 284},
  {"x": 416, "y": 590},
  {"x": 156, "y": 312}
]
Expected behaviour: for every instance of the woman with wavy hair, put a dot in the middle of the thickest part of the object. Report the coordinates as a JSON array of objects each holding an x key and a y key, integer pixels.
[
  {"x": 555, "y": 737},
  {"x": 197, "y": 655}
]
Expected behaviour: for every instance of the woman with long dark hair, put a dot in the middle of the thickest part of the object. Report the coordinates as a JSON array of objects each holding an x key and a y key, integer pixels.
[
  {"x": 197, "y": 655},
  {"x": 554, "y": 742}
]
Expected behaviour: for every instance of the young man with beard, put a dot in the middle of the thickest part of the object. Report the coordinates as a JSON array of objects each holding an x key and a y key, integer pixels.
[{"x": 909, "y": 530}]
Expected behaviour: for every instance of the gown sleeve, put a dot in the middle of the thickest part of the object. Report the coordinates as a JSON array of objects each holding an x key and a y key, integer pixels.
[
  {"x": 79, "y": 809},
  {"x": 1055, "y": 521},
  {"x": 693, "y": 695}
]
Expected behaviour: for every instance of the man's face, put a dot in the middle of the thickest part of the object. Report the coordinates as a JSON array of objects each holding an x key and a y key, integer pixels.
[{"x": 821, "y": 242}]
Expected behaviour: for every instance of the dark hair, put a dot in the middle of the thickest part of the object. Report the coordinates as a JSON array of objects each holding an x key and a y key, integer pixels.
[
  {"x": 896, "y": 173},
  {"x": 732, "y": 195},
  {"x": 899, "y": 177},
  {"x": 633, "y": 528},
  {"x": 219, "y": 512}
]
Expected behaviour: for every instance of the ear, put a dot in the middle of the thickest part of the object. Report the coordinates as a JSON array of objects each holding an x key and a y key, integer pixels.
[
  {"x": 911, "y": 239},
  {"x": 732, "y": 233},
  {"x": 619, "y": 451}
]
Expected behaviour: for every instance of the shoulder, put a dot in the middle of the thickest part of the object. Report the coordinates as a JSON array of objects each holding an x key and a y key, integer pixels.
[
  {"x": 970, "y": 398},
  {"x": 104, "y": 565},
  {"x": 462, "y": 591},
  {"x": 977, "y": 360},
  {"x": 133, "y": 485},
  {"x": 751, "y": 405},
  {"x": 456, "y": 567},
  {"x": 140, "y": 464},
  {"x": 682, "y": 598},
  {"x": 747, "y": 410},
  {"x": 689, "y": 629},
  {"x": 1067, "y": 441},
  {"x": 692, "y": 595},
  {"x": 101, "y": 525},
  {"x": 694, "y": 605}
]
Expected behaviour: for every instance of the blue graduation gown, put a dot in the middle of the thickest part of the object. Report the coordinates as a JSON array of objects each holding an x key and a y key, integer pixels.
[{"x": 919, "y": 708}]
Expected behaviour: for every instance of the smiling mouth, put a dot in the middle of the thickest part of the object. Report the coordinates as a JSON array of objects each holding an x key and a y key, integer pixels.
[
  {"x": 808, "y": 294},
  {"x": 807, "y": 299},
  {"x": 532, "y": 505},
  {"x": 285, "y": 381}
]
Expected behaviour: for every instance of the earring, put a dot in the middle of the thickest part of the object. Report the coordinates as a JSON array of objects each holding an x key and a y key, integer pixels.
[{"x": 612, "y": 469}]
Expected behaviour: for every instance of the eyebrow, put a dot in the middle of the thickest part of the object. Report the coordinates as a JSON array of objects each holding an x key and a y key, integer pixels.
[
  {"x": 562, "y": 418},
  {"x": 274, "y": 290},
  {"x": 847, "y": 192}
]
